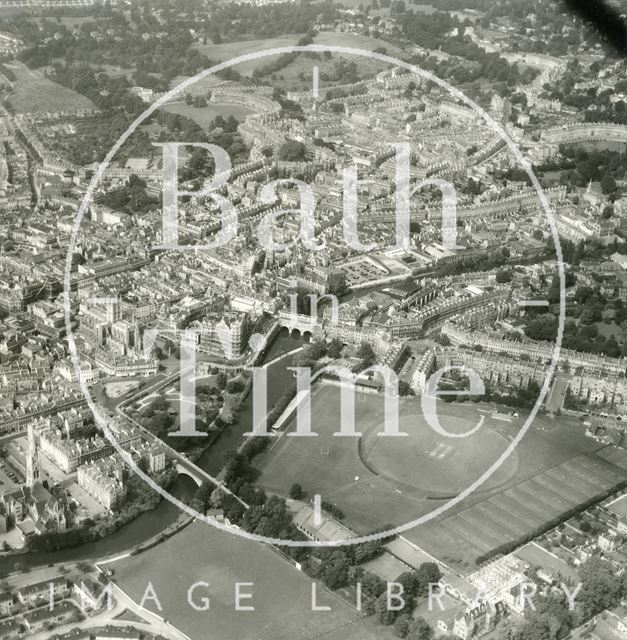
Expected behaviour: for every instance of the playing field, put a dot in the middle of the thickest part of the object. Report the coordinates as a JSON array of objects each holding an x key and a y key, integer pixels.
[
  {"x": 281, "y": 593},
  {"x": 423, "y": 463},
  {"x": 34, "y": 93},
  {"x": 508, "y": 516},
  {"x": 396, "y": 480}
]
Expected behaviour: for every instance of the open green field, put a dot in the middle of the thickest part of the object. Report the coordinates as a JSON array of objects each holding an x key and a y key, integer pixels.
[
  {"x": 463, "y": 536},
  {"x": 396, "y": 480},
  {"x": 229, "y": 50},
  {"x": 423, "y": 464},
  {"x": 204, "y": 115},
  {"x": 281, "y": 593},
  {"x": 297, "y": 74},
  {"x": 34, "y": 93},
  {"x": 356, "y": 40}
]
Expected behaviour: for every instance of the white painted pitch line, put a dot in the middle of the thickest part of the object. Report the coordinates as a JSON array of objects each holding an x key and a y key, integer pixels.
[{"x": 445, "y": 452}]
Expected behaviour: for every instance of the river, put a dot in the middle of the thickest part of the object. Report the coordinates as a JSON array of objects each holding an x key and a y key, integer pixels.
[
  {"x": 153, "y": 522},
  {"x": 279, "y": 377}
]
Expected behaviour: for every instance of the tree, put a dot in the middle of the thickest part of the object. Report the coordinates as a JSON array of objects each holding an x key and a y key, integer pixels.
[
  {"x": 372, "y": 585},
  {"x": 296, "y": 492},
  {"x": 336, "y": 284},
  {"x": 503, "y": 275},
  {"x": 382, "y": 613},
  {"x": 293, "y": 151},
  {"x": 334, "y": 350},
  {"x": 419, "y": 630},
  {"x": 404, "y": 389},
  {"x": 583, "y": 293},
  {"x": 221, "y": 380},
  {"x": 444, "y": 340},
  {"x": 428, "y": 573},
  {"x": 235, "y": 386},
  {"x": 600, "y": 588},
  {"x": 611, "y": 348},
  {"x": 542, "y": 328},
  {"x": 335, "y": 570},
  {"x": 402, "y": 624},
  {"x": 409, "y": 580},
  {"x": 608, "y": 184},
  {"x": 551, "y": 619},
  {"x": 367, "y": 354},
  {"x": 589, "y": 315}
]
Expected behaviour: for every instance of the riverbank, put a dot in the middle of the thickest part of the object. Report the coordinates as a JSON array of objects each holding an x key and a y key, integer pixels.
[{"x": 151, "y": 524}]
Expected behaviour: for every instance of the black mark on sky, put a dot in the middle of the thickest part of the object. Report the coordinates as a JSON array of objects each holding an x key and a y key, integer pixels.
[{"x": 604, "y": 19}]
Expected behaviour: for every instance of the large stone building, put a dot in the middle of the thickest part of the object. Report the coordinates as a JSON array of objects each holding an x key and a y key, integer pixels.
[{"x": 104, "y": 480}]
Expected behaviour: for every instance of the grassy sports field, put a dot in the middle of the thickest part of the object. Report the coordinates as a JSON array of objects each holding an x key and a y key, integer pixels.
[
  {"x": 423, "y": 464},
  {"x": 281, "y": 593},
  {"x": 396, "y": 480}
]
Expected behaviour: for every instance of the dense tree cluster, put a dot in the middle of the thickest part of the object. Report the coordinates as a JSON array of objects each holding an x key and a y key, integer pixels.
[
  {"x": 293, "y": 151},
  {"x": 131, "y": 198},
  {"x": 484, "y": 261},
  {"x": 585, "y": 310},
  {"x": 601, "y": 589},
  {"x": 431, "y": 31},
  {"x": 233, "y": 21},
  {"x": 580, "y": 166}
]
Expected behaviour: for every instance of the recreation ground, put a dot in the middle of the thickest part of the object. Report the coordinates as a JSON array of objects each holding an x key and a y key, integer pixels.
[{"x": 380, "y": 481}]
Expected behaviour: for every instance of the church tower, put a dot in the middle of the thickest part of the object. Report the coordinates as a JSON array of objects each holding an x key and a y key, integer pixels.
[{"x": 32, "y": 458}]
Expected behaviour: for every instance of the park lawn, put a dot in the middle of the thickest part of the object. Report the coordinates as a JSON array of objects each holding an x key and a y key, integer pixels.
[
  {"x": 281, "y": 593},
  {"x": 358, "y": 41},
  {"x": 298, "y": 74},
  {"x": 204, "y": 115},
  {"x": 34, "y": 93},
  {"x": 230, "y": 50},
  {"x": 608, "y": 330}
]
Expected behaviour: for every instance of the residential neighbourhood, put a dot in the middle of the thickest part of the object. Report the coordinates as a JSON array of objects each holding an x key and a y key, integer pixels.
[{"x": 317, "y": 302}]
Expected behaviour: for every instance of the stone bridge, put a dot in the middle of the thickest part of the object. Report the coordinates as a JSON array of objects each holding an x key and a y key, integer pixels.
[{"x": 301, "y": 323}]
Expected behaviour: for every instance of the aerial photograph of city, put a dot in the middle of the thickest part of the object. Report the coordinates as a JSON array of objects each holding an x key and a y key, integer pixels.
[{"x": 313, "y": 319}]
